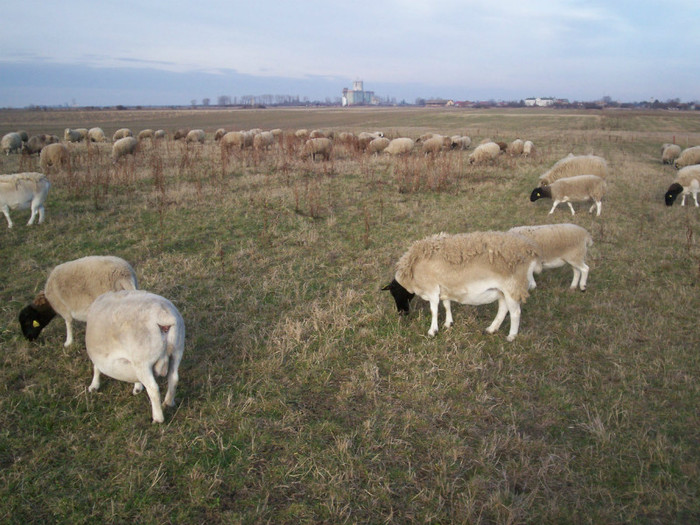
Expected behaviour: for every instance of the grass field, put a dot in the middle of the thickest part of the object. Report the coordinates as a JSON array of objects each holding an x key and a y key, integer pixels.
[{"x": 303, "y": 397}]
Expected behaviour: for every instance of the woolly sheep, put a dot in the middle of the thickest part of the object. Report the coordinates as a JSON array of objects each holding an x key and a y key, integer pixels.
[
  {"x": 235, "y": 139},
  {"x": 670, "y": 153},
  {"x": 400, "y": 146},
  {"x": 23, "y": 134},
  {"x": 319, "y": 134},
  {"x": 54, "y": 156},
  {"x": 263, "y": 140},
  {"x": 302, "y": 134},
  {"x": 96, "y": 135},
  {"x": 572, "y": 189},
  {"x": 575, "y": 165},
  {"x": 378, "y": 145},
  {"x": 160, "y": 134},
  {"x": 436, "y": 144},
  {"x": 123, "y": 147},
  {"x": 560, "y": 244},
  {"x": 528, "y": 148},
  {"x": 74, "y": 135},
  {"x": 11, "y": 143},
  {"x": 196, "y": 135},
  {"x": 133, "y": 335},
  {"x": 472, "y": 268},
  {"x": 485, "y": 153},
  {"x": 20, "y": 191},
  {"x": 515, "y": 148},
  {"x": 688, "y": 157},
  {"x": 145, "y": 134},
  {"x": 687, "y": 181},
  {"x": 460, "y": 142},
  {"x": 37, "y": 142},
  {"x": 181, "y": 133},
  {"x": 365, "y": 137},
  {"x": 218, "y": 134},
  {"x": 122, "y": 133},
  {"x": 70, "y": 290},
  {"x": 319, "y": 146}
]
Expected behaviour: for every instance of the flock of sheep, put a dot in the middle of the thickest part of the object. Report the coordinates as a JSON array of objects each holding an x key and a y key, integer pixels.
[{"x": 132, "y": 334}]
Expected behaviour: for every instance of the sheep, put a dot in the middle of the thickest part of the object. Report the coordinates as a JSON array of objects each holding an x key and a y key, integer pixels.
[
  {"x": 302, "y": 134},
  {"x": 74, "y": 135},
  {"x": 124, "y": 146},
  {"x": 560, "y": 244},
  {"x": 218, "y": 134},
  {"x": 670, "y": 153},
  {"x": 515, "y": 148},
  {"x": 575, "y": 165},
  {"x": 687, "y": 181},
  {"x": 37, "y": 142},
  {"x": 485, "y": 153},
  {"x": 365, "y": 137},
  {"x": 145, "y": 134},
  {"x": 436, "y": 144},
  {"x": 319, "y": 146},
  {"x": 19, "y": 191},
  {"x": 160, "y": 134},
  {"x": 688, "y": 157},
  {"x": 319, "y": 134},
  {"x": 195, "y": 135},
  {"x": 573, "y": 189},
  {"x": 263, "y": 140},
  {"x": 400, "y": 146},
  {"x": 11, "y": 143},
  {"x": 53, "y": 156},
  {"x": 132, "y": 336},
  {"x": 233, "y": 139},
  {"x": 471, "y": 268},
  {"x": 528, "y": 148},
  {"x": 96, "y": 135},
  {"x": 121, "y": 133},
  {"x": 70, "y": 290},
  {"x": 378, "y": 145},
  {"x": 23, "y": 134},
  {"x": 181, "y": 133},
  {"x": 460, "y": 142}
]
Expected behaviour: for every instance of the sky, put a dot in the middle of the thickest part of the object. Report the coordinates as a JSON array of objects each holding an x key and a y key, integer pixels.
[{"x": 101, "y": 53}]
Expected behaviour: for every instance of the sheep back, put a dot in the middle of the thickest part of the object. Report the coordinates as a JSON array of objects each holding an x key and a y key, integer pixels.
[
  {"x": 670, "y": 153},
  {"x": 96, "y": 135},
  {"x": 195, "y": 135},
  {"x": 688, "y": 157},
  {"x": 54, "y": 155},
  {"x": 555, "y": 240},
  {"x": 578, "y": 188},
  {"x": 485, "y": 153},
  {"x": 400, "y": 146},
  {"x": 572, "y": 165},
  {"x": 123, "y": 147}
]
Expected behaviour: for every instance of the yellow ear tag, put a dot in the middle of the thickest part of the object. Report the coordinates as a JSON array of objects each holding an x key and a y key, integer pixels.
[{"x": 35, "y": 324}]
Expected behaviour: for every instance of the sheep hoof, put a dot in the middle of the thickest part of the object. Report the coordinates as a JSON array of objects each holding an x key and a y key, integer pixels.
[{"x": 510, "y": 338}]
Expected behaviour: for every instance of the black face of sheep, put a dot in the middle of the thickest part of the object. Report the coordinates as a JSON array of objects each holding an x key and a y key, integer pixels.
[
  {"x": 33, "y": 320},
  {"x": 539, "y": 193},
  {"x": 401, "y": 296},
  {"x": 674, "y": 190}
]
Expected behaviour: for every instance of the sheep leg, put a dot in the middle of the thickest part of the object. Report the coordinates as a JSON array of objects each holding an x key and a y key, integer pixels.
[
  {"x": 514, "y": 310},
  {"x": 434, "y": 302},
  {"x": 571, "y": 206},
  {"x": 173, "y": 378},
  {"x": 695, "y": 196},
  {"x": 6, "y": 211},
  {"x": 145, "y": 376},
  {"x": 138, "y": 388},
  {"x": 682, "y": 203},
  {"x": 69, "y": 332},
  {"x": 500, "y": 315},
  {"x": 584, "y": 277},
  {"x": 596, "y": 204},
  {"x": 95, "y": 379},
  {"x": 556, "y": 203},
  {"x": 448, "y": 313}
]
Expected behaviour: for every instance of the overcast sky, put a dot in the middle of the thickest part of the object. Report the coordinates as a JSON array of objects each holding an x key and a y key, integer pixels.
[{"x": 163, "y": 53}]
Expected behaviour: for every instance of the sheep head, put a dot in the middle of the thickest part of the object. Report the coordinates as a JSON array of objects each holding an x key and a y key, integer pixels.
[
  {"x": 540, "y": 193},
  {"x": 673, "y": 191},
  {"x": 34, "y": 317},
  {"x": 402, "y": 297}
]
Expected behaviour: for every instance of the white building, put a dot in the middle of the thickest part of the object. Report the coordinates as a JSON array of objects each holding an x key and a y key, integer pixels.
[
  {"x": 357, "y": 96},
  {"x": 542, "y": 102}
]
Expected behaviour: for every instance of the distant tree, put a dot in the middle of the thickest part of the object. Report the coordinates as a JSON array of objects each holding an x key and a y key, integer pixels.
[
  {"x": 205, "y": 101},
  {"x": 224, "y": 100},
  {"x": 193, "y": 102}
]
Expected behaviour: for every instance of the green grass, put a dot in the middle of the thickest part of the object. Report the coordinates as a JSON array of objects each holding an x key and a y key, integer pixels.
[{"x": 303, "y": 397}]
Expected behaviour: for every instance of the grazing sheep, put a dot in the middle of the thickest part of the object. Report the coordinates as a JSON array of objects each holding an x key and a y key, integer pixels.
[
  {"x": 364, "y": 138},
  {"x": 123, "y": 147},
  {"x": 218, "y": 134},
  {"x": 560, "y": 244},
  {"x": 670, "y": 153},
  {"x": 378, "y": 145},
  {"x": 436, "y": 144},
  {"x": 181, "y": 133},
  {"x": 122, "y": 133},
  {"x": 460, "y": 142},
  {"x": 263, "y": 140},
  {"x": 515, "y": 148},
  {"x": 572, "y": 189},
  {"x": 688, "y": 157},
  {"x": 11, "y": 143},
  {"x": 54, "y": 156},
  {"x": 528, "y": 148},
  {"x": 400, "y": 146},
  {"x": 277, "y": 132},
  {"x": 20, "y": 191},
  {"x": 195, "y": 135},
  {"x": 96, "y": 135},
  {"x": 37, "y": 142},
  {"x": 575, "y": 165},
  {"x": 74, "y": 135},
  {"x": 472, "y": 268},
  {"x": 145, "y": 134},
  {"x": 687, "y": 181},
  {"x": 234, "y": 139},
  {"x": 320, "y": 146},
  {"x": 70, "y": 290},
  {"x": 23, "y": 134},
  {"x": 302, "y": 134},
  {"x": 133, "y": 335},
  {"x": 319, "y": 134},
  {"x": 485, "y": 153},
  {"x": 160, "y": 134}
]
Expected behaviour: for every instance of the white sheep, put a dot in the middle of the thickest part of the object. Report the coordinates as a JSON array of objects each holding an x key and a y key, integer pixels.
[
  {"x": 573, "y": 189},
  {"x": 121, "y": 133},
  {"x": 20, "y": 191},
  {"x": 74, "y": 135},
  {"x": 181, "y": 133},
  {"x": 687, "y": 181},
  {"x": 436, "y": 144},
  {"x": 160, "y": 134},
  {"x": 515, "y": 148},
  {"x": 145, "y": 134},
  {"x": 37, "y": 142},
  {"x": 54, "y": 156},
  {"x": 485, "y": 153},
  {"x": 460, "y": 142},
  {"x": 670, "y": 153},
  {"x": 132, "y": 336},
  {"x": 302, "y": 134},
  {"x": 688, "y": 157},
  {"x": 528, "y": 148},
  {"x": 124, "y": 146},
  {"x": 70, "y": 290},
  {"x": 400, "y": 146},
  {"x": 218, "y": 134},
  {"x": 560, "y": 244},
  {"x": 195, "y": 135},
  {"x": 263, "y": 140},
  {"x": 575, "y": 165},
  {"x": 377, "y": 145},
  {"x": 319, "y": 146},
  {"x": 11, "y": 143},
  {"x": 472, "y": 268},
  {"x": 96, "y": 135}
]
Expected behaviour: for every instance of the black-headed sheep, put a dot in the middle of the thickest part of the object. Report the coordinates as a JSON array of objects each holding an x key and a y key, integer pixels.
[
  {"x": 70, "y": 290},
  {"x": 472, "y": 268},
  {"x": 580, "y": 188},
  {"x": 134, "y": 336},
  {"x": 20, "y": 191},
  {"x": 687, "y": 181}
]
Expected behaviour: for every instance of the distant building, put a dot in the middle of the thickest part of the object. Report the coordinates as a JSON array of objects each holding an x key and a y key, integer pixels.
[
  {"x": 357, "y": 96},
  {"x": 439, "y": 103},
  {"x": 542, "y": 102}
]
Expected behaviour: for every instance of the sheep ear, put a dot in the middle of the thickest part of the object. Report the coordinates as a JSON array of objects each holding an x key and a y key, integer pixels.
[{"x": 35, "y": 323}]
